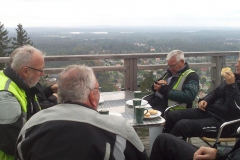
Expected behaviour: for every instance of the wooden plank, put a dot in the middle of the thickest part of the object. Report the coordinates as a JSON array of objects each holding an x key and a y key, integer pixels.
[{"x": 127, "y": 74}]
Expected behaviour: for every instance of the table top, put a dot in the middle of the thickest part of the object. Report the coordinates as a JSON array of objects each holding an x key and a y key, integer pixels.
[{"x": 116, "y": 102}]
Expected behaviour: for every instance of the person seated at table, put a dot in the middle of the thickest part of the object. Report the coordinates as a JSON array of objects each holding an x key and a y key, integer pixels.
[
  {"x": 47, "y": 96},
  {"x": 169, "y": 147},
  {"x": 18, "y": 101},
  {"x": 179, "y": 84},
  {"x": 74, "y": 129},
  {"x": 219, "y": 106}
]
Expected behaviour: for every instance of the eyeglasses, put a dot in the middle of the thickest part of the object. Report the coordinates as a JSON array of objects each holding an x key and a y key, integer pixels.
[
  {"x": 98, "y": 88},
  {"x": 173, "y": 66},
  {"x": 39, "y": 70}
]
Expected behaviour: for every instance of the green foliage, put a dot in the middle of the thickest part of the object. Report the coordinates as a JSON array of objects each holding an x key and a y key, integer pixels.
[
  {"x": 105, "y": 82},
  {"x": 146, "y": 83},
  {"x": 21, "y": 39},
  {"x": 203, "y": 79},
  {"x": 4, "y": 41}
]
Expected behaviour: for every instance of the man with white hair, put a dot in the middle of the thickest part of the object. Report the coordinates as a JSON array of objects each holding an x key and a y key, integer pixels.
[
  {"x": 219, "y": 106},
  {"x": 179, "y": 84},
  {"x": 74, "y": 129},
  {"x": 18, "y": 100}
]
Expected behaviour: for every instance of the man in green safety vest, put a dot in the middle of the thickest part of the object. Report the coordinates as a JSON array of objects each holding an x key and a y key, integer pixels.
[
  {"x": 18, "y": 100},
  {"x": 178, "y": 85}
]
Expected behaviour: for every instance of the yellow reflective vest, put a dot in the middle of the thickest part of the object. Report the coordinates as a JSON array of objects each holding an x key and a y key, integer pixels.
[
  {"x": 7, "y": 84},
  {"x": 178, "y": 86}
]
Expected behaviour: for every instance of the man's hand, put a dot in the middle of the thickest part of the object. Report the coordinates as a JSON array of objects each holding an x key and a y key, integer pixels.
[
  {"x": 158, "y": 84},
  {"x": 55, "y": 94},
  {"x": 202, "y": 105},
  {"x": 54, "y": 87},
  {"x": 205, "y": 153},
  {"x": 229, "y": 77}
]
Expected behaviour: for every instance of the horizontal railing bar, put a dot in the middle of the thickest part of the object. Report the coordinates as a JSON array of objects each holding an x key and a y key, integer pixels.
[
  {"x": 95, "y": 69},
  {"x": 165, "y": 66},
  {"x": 126, "y": 56},
  {"x": 140, "y": 67}
]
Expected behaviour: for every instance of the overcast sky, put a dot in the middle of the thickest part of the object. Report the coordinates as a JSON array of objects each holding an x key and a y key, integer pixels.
[{"x": 77, "y": 13}]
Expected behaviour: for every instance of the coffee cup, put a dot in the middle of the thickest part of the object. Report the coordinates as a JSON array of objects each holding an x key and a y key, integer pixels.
[
  {"x": 139, "y": 113},
  {"x": 137, "y": 94},
  {"x": 136, "y": 102},
  {"x": 103, "y": 112}
]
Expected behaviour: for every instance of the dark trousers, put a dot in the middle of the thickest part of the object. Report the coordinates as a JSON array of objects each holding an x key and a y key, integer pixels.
[
  {"x": 169, "y": 147},
  {"x": 192, "y": 123}
]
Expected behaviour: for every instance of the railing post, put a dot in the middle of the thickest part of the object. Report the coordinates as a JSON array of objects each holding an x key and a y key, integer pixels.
[
  {"x": 216, "y": 71},
  {"x": 130, "y": 74}
]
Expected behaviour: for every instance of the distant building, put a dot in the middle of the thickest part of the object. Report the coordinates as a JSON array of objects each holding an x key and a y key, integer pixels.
[
  {"x": 139, "y": 44},
  {"x": 152, "y": 49},
  {"x": 157, "y": 59}
]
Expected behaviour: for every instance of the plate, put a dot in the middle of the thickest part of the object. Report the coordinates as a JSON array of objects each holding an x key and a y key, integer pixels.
[
  {"x": 153, "y": 116},
  {"x": 115, "y": 114},
  {"x": 147, "y": 106},
  {"x": 130, "y": 102},
  {"x": 101, "y": 100}
]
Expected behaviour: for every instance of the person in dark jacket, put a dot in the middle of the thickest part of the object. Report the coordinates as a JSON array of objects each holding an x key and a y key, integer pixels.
[
  {"x": 18, "y": 101},
  {"x": 179, "y": 84},
  {"x": 47, "y": 97},
  {"x": 219, "y": 106},
  {"x": 74, "y": 129},
  {"x": 169, "y": 147}
]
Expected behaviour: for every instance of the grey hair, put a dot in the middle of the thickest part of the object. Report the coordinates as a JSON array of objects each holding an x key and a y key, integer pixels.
[
  {"x": 75, "y": 83},
  {"x": 22, "y": 56},
  {"x": 176, "y": 53},
  {"x": 12, "y": 55}
]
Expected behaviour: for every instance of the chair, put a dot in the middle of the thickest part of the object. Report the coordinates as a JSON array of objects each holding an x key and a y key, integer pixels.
[
  {"x": 147, "y": 97},
  {"x": 218, "y": 139},
  {"x": 170, "y": 107},
  {"x": 208, "y": 140}
]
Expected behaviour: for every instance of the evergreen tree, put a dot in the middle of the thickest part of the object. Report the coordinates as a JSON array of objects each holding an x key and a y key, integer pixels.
[
  {"x": 146, "y": 83},
  {"x": 21, "y": 39},
  {"x": 4, "y": 40}
]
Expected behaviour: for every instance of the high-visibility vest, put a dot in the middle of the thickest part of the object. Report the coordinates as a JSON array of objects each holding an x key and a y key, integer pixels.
[
  {"x": 178, "y": 86},
  {"x": 8, "y": 85}
]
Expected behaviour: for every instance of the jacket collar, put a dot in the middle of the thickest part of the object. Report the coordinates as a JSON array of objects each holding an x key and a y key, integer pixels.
[{"x": 10, "y": 73}]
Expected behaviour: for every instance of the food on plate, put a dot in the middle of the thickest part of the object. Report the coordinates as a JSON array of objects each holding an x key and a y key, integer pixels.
[
  {"x": 226, "y": 69},
  {"x": 146, "y": 114},
  {"x": 152, "y": 111}
]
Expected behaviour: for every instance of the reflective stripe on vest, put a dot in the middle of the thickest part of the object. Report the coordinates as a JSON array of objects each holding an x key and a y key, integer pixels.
[
  {"x": 9, "y": 85},
  {"x": 178, "y": 86}
]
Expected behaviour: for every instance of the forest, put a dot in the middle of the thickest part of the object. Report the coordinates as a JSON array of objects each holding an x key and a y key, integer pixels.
[
  {"x": 117, "y": 41},
  {"x": 85, "y": 41}
]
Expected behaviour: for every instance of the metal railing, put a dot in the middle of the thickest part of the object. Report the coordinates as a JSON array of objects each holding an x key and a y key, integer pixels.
[{"x": 130, "y": 67}]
